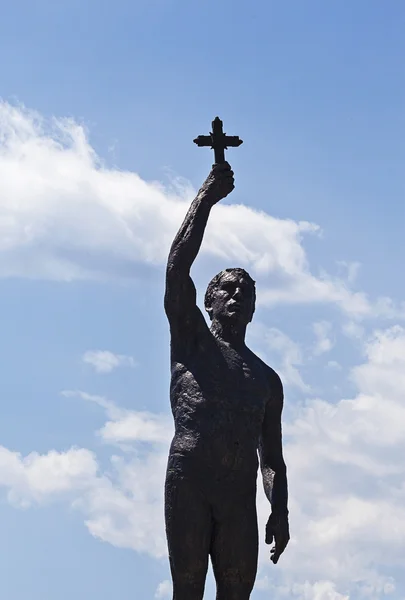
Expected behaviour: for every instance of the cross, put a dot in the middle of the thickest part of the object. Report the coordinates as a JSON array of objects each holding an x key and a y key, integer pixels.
[{"x": 218, "y": 141}]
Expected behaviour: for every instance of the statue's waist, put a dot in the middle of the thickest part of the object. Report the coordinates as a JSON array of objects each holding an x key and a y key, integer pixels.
[
  {"x": 209, "y": 477},
  {"x": 227, "y": 452}
]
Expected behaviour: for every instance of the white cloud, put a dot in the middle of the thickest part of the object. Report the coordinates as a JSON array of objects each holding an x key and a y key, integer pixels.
[
  {"x": 125, "y": 506},
  {"x": 322, "y": 331},
  {"x": 141, "y": 427},
  {"x": 353, "y": 330},
  {"x": 164, "y": 590},
  {"x": 350, "y": 270},
  {"x": 129, "y": 426},
  {"x": 333, "y": 364},
  {"x": 122, "y": 505},
  {"x": 110, "y": 408},
  {"x": 281, "y": 352},
  {"x": 37, "y": 478},
  {"x": 346, "y": 478},
  {"x": 105, "y": 361},
  {"x": 64, "y": 215},
  {"x": 319, "y": 590}
]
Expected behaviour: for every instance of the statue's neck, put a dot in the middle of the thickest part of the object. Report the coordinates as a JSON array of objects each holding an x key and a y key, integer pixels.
[{"x": 228, "y": 332}]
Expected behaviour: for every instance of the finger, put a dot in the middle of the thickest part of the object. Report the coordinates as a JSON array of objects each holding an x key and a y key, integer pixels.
[
  {"x": 278, "y": 549},
  {"x": 269, "y": 537},
  {"x": 224, "y": 166},
  {"x": 224, "y": 175},
  {"x": 228, "y": 185},
  {"x": 275, "y": 553}
]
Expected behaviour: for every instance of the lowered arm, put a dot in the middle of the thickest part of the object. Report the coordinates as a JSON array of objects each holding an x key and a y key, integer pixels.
[{"x": 274, "y": 471}]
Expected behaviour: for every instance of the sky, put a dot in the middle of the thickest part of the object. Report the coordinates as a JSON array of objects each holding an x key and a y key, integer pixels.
[{"x": 100, "y": 102}]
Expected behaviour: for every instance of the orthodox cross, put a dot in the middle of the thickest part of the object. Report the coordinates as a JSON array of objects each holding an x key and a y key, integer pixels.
[{"x": 218, "y": 141}]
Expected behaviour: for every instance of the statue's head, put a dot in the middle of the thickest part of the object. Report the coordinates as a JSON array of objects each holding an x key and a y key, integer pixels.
[{"x": 231, "y": 295}]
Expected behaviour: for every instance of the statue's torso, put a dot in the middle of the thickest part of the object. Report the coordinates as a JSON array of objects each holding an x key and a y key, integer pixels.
[{"x": 218, "y": 398}]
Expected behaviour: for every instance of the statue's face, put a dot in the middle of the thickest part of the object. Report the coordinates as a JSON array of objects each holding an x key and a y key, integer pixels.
[{"x": 233, "y": 300}]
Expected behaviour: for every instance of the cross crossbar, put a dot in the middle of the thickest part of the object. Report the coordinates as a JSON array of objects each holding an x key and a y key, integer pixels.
[{"x": 218, "y": 141}]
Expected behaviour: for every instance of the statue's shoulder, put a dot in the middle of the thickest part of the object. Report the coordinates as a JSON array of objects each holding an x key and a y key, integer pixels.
[{"x": 272, "y": 376}]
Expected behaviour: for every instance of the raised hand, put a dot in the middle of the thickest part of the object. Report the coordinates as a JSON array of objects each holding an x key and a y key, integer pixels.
[
  {"x": 219, "y": 183},
  {"x": 277, "y": 530}
]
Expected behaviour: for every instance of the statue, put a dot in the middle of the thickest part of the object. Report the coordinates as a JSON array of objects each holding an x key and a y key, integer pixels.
[{"x": 227, "y": 405}]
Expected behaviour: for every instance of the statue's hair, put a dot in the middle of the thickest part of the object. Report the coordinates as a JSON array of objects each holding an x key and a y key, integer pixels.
[{"x": 213, "y": 284}]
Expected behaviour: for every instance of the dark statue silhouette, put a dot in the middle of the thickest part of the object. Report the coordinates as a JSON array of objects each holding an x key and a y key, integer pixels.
[{"x": 227, "y": 405}]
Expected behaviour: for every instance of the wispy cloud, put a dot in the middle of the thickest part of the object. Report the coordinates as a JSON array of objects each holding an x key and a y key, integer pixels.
[
  {"x": 164, "y": 590},
  {"x": 104, "y": 361},
  {"x": 283, "y": 353},
  {"x": 323, "y": 341},
  {"x": 128, "y": 426}
]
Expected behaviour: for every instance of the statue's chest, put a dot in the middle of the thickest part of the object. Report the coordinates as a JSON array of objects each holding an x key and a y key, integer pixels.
[
  {"x": 240, "y": 377},
  {"x": 242, "y": 370},
  {"x": 216, "y": 374}
]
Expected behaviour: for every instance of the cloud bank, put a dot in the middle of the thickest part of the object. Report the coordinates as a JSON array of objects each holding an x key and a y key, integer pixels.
[
  {"x": 346, "y": 474},
  {"x": 65, "y": 215}
]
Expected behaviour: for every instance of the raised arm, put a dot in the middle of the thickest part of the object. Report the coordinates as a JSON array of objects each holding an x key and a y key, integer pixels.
[
  {"x": 180, "y": 295},
  {"x": 274, "y": 471}
]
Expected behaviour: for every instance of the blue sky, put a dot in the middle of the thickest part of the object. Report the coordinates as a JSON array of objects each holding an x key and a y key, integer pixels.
[{"x": 100, "y": 103}]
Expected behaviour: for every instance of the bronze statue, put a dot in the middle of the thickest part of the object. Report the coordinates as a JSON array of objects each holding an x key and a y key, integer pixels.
[{"x": 227, "y": 406}]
